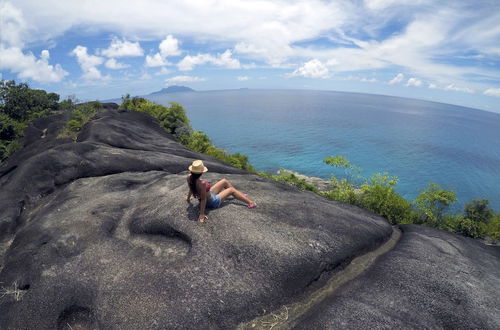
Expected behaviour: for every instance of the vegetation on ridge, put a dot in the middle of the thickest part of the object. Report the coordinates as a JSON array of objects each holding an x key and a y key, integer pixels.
[
  {"x": 80, "y": 115},
  {"x": 175, "y": 121},
  {"x": 19, "y": 105},
  {"x": 378, "y": 194}
]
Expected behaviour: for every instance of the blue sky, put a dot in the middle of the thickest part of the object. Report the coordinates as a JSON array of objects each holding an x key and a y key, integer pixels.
[{"x": 445, "y": 51}]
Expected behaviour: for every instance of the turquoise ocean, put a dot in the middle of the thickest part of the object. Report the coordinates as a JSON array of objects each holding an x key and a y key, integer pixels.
[{"x": 417, "y": 141}]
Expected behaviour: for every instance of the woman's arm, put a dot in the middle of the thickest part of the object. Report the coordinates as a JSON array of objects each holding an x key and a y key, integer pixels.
[
  {"x": 202, "y": 188},
  {"x": 202, "y": 217},
  {"x": 188, "y": 198}
]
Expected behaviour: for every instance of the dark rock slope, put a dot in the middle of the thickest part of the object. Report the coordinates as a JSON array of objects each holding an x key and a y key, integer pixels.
[
  {"x": 431, "y": 280},
  {"x": 96, "y": 234}
]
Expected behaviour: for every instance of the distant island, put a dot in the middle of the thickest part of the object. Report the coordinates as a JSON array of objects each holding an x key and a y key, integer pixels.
[{"x": 173, "y": 89}]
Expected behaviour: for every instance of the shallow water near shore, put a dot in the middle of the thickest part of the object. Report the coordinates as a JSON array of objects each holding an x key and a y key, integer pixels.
[{"x": 418, "y": 141}]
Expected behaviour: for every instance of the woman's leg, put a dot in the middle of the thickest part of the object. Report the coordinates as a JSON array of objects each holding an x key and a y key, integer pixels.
[
  {"x": 221, "y": 185},
  {"x": 236, "y": 193}
]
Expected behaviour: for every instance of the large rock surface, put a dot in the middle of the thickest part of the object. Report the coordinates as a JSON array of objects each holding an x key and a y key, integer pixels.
[
  {"x": 96, "y": 234},
  {"x": 431, "y": 280}
]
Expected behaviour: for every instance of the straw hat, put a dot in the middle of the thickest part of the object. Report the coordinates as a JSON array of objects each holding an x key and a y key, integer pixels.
[{"x": 197, "y": 167}]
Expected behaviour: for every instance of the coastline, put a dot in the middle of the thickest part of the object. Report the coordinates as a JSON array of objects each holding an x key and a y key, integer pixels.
[{"x": 322, "y": 185}]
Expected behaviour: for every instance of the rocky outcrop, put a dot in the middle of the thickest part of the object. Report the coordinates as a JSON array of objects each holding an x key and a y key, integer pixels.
[
  {"x": 322, "y": 185},
  {"x": 96, "y": 234}
]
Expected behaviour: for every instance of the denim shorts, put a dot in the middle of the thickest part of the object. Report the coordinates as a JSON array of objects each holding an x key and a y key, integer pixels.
[{"x": 214, "y": 201}]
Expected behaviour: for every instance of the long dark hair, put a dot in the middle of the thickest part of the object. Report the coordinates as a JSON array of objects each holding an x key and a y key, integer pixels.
[{"x": 192, "y": 182}]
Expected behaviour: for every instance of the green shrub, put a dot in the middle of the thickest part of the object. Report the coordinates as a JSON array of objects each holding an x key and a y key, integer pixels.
[
  {"x": 433, "y": 203},
  {"x": 126, "y": 101},
  {"x": 237, "y": 160},
  {"x": 449, "y": 223},
  {"x": 469, "y": 228},
  {"x": 291, "y": 179},
  {"x": 343, "y": 191},
  {"x": 7, "y": 148},
  {"x": 198, "y": 141},
  {"x": 74, "y": 125},
  {"x": 376, "y": 194},
  {"x": 337, "y": 161},
  {"x": 81, "y": 114},
  {"x": 351, "y": 172},
  {"x": 492, "y": 228},
  {"x": 478, "y": 210},
  {"x": 173, "y": 119},
  {"x": 69, "y": 103},
  {"x": 10, "y": 129},
  {"x": 379, "y": 195}
]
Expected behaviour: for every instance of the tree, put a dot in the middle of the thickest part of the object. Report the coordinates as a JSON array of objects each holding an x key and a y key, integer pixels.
[{"x": 23, "y": 104}]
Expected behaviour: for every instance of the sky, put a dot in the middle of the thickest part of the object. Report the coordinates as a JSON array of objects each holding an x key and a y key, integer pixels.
[{"x": 446, "y": 51}]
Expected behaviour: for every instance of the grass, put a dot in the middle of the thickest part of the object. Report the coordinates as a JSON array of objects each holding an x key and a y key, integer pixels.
[
  {"x": 278, "y": 318},
  {"x": 15, "y": 292},
  {"x": 81, "y": 115}
]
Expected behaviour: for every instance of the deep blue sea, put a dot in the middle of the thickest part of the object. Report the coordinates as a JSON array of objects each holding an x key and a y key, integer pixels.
[{"x": 417, "y": 141}]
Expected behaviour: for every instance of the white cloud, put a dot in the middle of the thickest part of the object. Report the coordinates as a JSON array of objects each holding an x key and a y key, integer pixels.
[
  {"x": 413, "y": 82},
  {"x": 88, "y": 63},
  {"x": 27, "y": 66},
  {"x": 269, "y": 26},
  {"x": 163, "y": 71},
  {"x": 123, "y": 48},
  {"x": 397, "y": 79},
  {"x": 492, "y": 92},
  {"x": 427, "y": 35},
  {"x": 13, "y": 28},
  {"x": 155, "y": 61},
  {"x": 224, "y": 60},
  {"x": 242, "y": 78},
  {"x": 145, "y": 76},
  {"x": 383, "y": 4},
  {"x": 183, "y": 79},
  {"x": 115, "y": 65},
  {"x": 169, "y": 46},
  {"x": 12, "y": 24},
  {"x": 312, "y": 69},
  {"x": 453, "y": 87},
  {"x": 362, "y": 79}
]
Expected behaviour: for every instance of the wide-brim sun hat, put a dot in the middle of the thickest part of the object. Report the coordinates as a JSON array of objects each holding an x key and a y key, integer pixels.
[{"x": 197, "y": 167}]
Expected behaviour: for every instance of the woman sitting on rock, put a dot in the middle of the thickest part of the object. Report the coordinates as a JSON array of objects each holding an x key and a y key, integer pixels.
[{"x": 211, "y": 198}]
